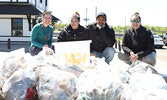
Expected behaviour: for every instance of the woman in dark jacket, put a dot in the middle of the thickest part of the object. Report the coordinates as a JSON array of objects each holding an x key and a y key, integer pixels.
[
  {"x": 74, "y": 31},
  {"x": 138, "y": 43}
]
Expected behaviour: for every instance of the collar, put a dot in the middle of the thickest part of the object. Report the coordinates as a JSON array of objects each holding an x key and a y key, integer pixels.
[
  {"x": 132, "y": 30},
  {"x": 99, "y": 25},
  {"x": 42, "y": 25},
  {"x": 69, "y": 28}
]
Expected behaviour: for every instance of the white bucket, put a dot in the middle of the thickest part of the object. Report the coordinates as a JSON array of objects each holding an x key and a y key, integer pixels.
[{"x": 75, "y": 52}]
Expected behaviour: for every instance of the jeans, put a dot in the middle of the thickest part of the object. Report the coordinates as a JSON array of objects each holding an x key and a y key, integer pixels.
[
  {"x": 35, "y": 50},
  {"x": 108, "y": 54},
  {"x": 150, "y": 58}
]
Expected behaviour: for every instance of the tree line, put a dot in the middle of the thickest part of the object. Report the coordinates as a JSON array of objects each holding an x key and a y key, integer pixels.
[
  {"x": 121, "y": 29},
  {"x": 156, "y": 29}
]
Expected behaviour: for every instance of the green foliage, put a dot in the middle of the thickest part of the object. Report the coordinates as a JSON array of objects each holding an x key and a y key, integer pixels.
[
  {"x": 120, "y": 29},
  {"x": 58, "y": 27},
  {"x": 119, "y": 38},
  {"x": 159, "y": 30}
]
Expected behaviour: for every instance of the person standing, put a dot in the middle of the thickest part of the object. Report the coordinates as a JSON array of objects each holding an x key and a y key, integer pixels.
[
  {"x": 138, "y": 43},
  {"x": 73, "y": 31},
  {"x": 42, "y": 35},
  {"x": 103, "y": 38}
]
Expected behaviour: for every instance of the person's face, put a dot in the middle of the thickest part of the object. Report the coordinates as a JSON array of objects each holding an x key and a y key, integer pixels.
[
  {"x": 47, "y": 19},
  {"x": 101, "y": 21},
  {"x": 135, "y": 22},
  {"x": 74, "y": 23}
]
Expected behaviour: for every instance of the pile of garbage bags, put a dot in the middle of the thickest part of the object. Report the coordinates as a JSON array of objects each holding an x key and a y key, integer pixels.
[{"x": 23, "y": 77}]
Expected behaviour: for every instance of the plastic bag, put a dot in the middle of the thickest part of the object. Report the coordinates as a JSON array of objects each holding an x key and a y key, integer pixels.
[
  {"x": 143, "y": 76},
  {"x": 15, "y": 87},
  {"x": 100, "y": 83},
  {"x": 132, "y": 93},
  {"x": 46, "y": 51},
  {"x": 12, "y": 63},
  {"x": 141, "y": 67},
  {"x": 46, "y": 56},
  {"x": 147, "y": 81},
  {"x": 54, "y": 84}
]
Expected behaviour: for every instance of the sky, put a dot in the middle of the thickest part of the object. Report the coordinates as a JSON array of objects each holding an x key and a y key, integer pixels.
[{"x": 152, "y": 12}]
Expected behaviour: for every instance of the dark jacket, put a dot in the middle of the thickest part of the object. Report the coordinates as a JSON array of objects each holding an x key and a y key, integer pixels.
[
  {"x": 69, "y": 34},
  {"x": 141, "y": 44},
  {"x": 101, "y": 38}
]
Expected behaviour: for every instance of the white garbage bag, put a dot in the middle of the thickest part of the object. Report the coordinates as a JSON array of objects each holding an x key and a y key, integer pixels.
[
  {"x": 132, "y": 93},
  {"x": 99, "y": 84},
  {"x": 54, "y": 84},
  {"x": 15, "y": 87},
  {"x": 12, "y": 63},
  {"x": 141, "y": 67}
]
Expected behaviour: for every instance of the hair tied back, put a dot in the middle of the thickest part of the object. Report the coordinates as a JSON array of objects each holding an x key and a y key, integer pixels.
[{"x": 77, "y": 13}]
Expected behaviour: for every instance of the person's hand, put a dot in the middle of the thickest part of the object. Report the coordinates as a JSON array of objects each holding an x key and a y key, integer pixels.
[
  {"x": 45, "y": 46},
  {"x": 92, "y": 54},
  {"x": 133, "y": 57},
  {"x": 132, "y": 53}
]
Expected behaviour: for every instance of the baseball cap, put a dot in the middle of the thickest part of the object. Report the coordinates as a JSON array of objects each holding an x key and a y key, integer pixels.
[{"x": 101, "y": 14}]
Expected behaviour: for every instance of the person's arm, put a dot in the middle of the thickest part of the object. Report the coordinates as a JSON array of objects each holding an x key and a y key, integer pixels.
[
  {"x": 34, "y": 36},
  {"x": 109, "y": 35},
  {"x": 125, "y": 43},
  {"x": 90, "y": 32},
  {"x": 62, "y": 36},
  {"x": 150, "y": 45},
  {"x": 51, "y": 36},
  {"x": 81, "y": 34},
  {"x": 87, "y": 36}
]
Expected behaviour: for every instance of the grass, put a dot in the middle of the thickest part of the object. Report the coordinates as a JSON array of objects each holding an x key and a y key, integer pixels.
[{"x": 118, "y": 38}]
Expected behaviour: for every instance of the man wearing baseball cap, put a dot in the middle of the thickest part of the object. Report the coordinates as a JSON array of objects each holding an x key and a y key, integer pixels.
[{"x": 103, "y": 38}]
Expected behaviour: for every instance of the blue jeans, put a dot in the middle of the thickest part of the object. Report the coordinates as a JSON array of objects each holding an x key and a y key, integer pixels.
[{"x": 108, "y": 54}]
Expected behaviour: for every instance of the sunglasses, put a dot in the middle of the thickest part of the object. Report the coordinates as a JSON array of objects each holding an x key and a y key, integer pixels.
[
  {"x": 47, "y": 18},
  {"x": 135, "y": 21},
  {"x": 73, "y": 21}
]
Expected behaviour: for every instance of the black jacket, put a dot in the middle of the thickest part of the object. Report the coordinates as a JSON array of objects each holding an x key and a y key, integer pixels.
[
  {"x": 101, "y": 38},
  {"x": 69, "y": 34},
  {"x": 141, "y": 44}
]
